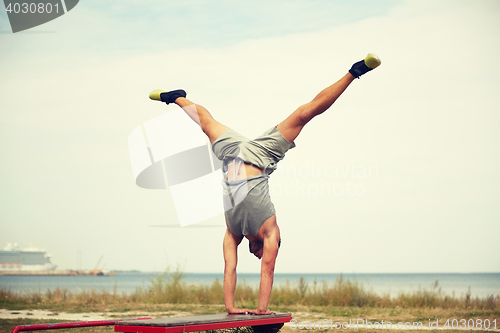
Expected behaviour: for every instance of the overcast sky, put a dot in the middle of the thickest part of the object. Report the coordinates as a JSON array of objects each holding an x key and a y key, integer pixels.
[{"x": 425, "y": 124}]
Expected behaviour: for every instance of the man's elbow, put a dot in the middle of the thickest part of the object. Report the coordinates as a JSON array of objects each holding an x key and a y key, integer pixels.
[{"x": 267, "y": 268}]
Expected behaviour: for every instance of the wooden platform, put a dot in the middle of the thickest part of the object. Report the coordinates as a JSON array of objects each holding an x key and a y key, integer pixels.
[{"x": 265, "y": 324}]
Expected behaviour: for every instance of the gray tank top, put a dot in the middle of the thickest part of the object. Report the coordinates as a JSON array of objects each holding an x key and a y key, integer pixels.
[{"x": 247, "y": 203}]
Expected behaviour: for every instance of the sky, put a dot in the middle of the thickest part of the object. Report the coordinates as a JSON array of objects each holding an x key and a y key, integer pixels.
[{"x": 399, "y": 176}]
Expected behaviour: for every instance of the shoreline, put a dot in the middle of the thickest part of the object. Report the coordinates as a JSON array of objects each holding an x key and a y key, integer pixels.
[{"x": 456, "y": 285}]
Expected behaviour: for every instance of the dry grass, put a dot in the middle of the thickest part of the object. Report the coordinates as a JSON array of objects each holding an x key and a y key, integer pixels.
[{"x": 170, "y": 288}]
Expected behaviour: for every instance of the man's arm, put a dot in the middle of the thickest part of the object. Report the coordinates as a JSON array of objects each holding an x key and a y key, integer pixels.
[
  {"x": 230, "y": 248},
  {"x": 267, "y": 271}
]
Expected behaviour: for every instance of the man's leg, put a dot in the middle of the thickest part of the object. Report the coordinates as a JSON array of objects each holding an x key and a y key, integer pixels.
[
  {"x": 291, "y": 126},
  {"x": 211, "y": 127}
]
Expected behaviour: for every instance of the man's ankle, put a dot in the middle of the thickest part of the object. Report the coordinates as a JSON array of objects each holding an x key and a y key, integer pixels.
[{"x": 171, "y": 96}]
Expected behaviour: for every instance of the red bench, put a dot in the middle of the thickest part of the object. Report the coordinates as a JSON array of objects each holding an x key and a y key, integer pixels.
[{"x": 262, "y": 324}]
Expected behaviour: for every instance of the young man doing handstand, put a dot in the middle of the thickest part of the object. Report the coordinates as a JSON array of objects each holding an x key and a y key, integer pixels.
[{"x": 247, "y": 165}]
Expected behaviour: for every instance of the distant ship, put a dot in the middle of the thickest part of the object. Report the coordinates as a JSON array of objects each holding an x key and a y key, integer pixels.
[{"x": 30, "y": 259}]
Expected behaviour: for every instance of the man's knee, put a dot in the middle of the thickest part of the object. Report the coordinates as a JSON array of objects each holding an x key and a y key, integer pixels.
[
  {"x": 207, "y": 124},
  {"x": 305, "y": 113}
]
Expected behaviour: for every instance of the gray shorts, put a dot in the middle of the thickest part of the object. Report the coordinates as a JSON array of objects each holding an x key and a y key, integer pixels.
[
  {"x": 264, "y": 152},
  {"x": 247, "y": 203}
]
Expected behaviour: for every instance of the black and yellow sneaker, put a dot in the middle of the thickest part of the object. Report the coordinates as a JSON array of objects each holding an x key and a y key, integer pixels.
[
  {"x": 364, "y": 66},
  {"x": 166, "y": 96}
]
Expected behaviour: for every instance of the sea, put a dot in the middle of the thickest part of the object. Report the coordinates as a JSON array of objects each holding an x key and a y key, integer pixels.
[{"x": 480, "y": 285}]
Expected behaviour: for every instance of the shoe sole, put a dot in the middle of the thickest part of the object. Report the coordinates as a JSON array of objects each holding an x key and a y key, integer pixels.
[
  {"x": 372, "y": 61},
  {"x": 155, "y": 95}
]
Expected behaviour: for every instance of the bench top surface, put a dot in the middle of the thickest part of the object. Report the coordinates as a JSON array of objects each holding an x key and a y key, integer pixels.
[{"x": 205, "y": 319}]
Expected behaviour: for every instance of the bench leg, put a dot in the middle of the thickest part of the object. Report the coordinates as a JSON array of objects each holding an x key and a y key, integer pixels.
[{"x": 272, "y": 328}]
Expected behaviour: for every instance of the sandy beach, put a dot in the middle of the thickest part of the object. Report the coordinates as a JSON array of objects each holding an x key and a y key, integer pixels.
[
  {"x": 83, "y": 316},
  {"x": 300, "y": 318}
]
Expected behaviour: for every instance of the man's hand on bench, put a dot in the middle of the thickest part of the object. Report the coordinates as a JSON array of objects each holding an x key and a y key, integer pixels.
[
  {"x": 261, "y": 312},
  {"x": 238, "y": 311}
]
